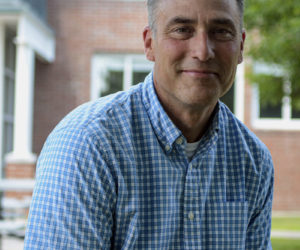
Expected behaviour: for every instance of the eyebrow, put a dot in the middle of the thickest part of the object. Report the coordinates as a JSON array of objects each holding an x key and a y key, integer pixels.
[
  {"x": 224, "y": 21},
  {"x": 181, "y": 20},
  {"x": 185, "y": 20}
]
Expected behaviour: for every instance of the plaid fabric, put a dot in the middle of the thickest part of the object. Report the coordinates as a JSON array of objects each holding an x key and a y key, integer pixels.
[{"x": 114, "y": 175}]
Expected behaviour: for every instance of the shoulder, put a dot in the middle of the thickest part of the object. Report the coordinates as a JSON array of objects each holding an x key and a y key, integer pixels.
[
  {"x": 92, "y": 126},
  {"x": 240, "y": 136},
  {"x": 101, "y": 113}
]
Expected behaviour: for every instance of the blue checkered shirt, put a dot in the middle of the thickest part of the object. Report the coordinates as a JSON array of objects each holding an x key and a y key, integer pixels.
[{"x": 114, "y": 175}]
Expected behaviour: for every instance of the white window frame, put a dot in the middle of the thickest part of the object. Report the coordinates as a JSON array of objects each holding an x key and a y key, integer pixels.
[
  {"x": 239, "y": 94},
  {"x": 7, "y": 73},
  {"x": 128, "y": 63},
  {"x": 8, "y": 119},
  {"x": 286, "y": 122}
]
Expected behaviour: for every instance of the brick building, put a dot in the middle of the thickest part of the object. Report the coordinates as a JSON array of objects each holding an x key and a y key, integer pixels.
[{"x": 58, "y": 54}]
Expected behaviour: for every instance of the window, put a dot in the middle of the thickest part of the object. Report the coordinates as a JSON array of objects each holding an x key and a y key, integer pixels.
[
  {"x": 112, "y": 73},
  {"x": 9, "y": 92},
  {"x": 277, "y": 115}
]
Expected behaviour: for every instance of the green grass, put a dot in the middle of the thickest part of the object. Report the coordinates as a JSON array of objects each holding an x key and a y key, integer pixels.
[
  {"x": 286, "y": 223},
  {"x": 285, "y": 244}
]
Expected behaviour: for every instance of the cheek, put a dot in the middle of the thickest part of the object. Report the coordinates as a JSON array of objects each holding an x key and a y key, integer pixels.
[
  {"x": 173, "y": 49},
  {"x": 229, "y": 57}
]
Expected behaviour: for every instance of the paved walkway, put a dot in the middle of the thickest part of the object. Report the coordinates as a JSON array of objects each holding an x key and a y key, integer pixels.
[
  {"x": 286, "y": 234},
  {"x": 12, "y": 243}
]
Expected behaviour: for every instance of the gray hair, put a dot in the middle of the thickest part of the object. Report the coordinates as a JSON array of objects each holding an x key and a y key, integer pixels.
[{"x": 152, "y": 6}]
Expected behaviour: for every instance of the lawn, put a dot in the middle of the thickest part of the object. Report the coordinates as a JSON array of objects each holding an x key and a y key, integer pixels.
[
  {"x": 286, "y": 223},
  {"x": 285, "y": 244}
]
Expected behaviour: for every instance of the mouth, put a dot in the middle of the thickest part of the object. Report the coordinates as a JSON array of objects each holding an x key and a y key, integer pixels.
[{"x": 199, "y": 73}]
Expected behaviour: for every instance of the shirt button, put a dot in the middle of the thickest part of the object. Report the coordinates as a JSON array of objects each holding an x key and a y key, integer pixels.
[
  {"x": 167, "y": 148},
  {"x": 179, "y": 141},
  {"x": 191, "y": 216}
]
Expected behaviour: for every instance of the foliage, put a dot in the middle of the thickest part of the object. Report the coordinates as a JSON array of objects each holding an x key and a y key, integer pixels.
[{"x": 273, "y": 28}]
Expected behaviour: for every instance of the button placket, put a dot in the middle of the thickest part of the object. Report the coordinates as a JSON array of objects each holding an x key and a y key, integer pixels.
[
  {"x": 191, "y": 193},
  {"x": 179, "y": 141},
  {"x": 167, "y": 147},
  {"x": 191, "y": 216}
]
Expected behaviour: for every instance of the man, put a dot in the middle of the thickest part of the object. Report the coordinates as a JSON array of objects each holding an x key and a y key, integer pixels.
[{"x": 164, "y": 165}]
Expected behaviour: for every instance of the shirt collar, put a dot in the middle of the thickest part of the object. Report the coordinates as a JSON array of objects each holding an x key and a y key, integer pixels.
[{"x": 164, "y": 128}]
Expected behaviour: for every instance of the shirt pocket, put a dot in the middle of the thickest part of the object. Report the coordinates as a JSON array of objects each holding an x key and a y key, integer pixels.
[{"x": 225, "y": 225}]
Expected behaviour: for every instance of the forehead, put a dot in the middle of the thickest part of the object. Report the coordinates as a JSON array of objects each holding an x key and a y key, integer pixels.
[{"x": 198, "y": 10}]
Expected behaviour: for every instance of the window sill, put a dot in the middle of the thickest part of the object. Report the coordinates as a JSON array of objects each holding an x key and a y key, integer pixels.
[{"x": 276, "y": 124}]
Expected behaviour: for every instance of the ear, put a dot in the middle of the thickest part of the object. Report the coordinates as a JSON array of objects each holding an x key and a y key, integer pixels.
[
  {"x": 148, "y": 43},
  {"x": 242, "y": 46}
]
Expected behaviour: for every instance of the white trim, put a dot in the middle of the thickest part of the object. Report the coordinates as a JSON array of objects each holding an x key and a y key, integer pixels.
[
  {"x": 276, "y": 124},
  {"x": 17, "y": 185},
  {"x": 33, "y": 38},
  {"x": 286, "y": 122},
  {"x": 24, "y": 95},
  {"x": 36, "y": 35},
  {"x": 20, "y": 158},
  {"x": 2, "y": 81},
  {"x": 36, "y": 32},
  {"x": 127, "y": 63},
  {"x": 239, "y": 93},
  {"x": 127, "y": 76}
]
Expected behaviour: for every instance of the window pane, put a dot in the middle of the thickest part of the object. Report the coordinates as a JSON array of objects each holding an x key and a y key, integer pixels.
[
  {"x": 295, "y": 113},
  {"x": 9, "y": 96},
  {"x": 113, "y": 82},
  {"x": 7, "y": 137},
  {"x": 139, "y": 76},
  {"x": 228, "y": 98},
  {"x": 270, "y": 105},
  {"x": 10, "y": 50},
  {"x": 295, "y": 104},
  {"x": 270, "y": 111}
]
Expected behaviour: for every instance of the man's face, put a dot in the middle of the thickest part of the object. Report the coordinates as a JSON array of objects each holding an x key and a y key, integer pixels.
[{"x": 196, "y": 48}]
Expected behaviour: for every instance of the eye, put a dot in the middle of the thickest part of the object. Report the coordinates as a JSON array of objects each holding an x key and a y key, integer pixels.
[
  {"x": 222, "y": 34},
  {"x": 182, "y": 32}
]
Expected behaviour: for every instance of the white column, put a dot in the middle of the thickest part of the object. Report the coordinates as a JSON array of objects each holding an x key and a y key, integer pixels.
[
  {"x": 2, "y": 82},
  {"x": 24, "y": 94},
  {"x": 127, "y": 76},
  {"x": 239, "y": 96}
]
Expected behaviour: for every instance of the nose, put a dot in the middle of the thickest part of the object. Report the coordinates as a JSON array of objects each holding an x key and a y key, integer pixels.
[{"x": 202, "y": 48}]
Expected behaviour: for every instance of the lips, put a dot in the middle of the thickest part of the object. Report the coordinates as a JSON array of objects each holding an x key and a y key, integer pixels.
[{"x": 199, "y": 72}]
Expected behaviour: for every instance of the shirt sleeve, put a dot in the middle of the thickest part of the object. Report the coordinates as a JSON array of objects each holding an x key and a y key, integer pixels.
[
  {"x": 74, "y": 197},
  {"x": 259, "y": 227}
]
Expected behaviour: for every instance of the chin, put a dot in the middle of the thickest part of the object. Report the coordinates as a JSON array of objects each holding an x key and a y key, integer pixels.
[{"x": 201, "y": 101}]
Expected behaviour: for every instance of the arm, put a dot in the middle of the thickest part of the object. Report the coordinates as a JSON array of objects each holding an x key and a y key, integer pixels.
[
  {"x": 74, "y": 196},
  {"x": 259, "y": 227}
]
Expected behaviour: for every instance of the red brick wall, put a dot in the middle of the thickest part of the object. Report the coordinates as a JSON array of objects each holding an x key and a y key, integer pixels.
[{"x": 285, "y": 150}]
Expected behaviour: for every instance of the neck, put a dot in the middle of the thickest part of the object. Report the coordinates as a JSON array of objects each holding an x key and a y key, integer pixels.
[{"x": 192, "y": 122}]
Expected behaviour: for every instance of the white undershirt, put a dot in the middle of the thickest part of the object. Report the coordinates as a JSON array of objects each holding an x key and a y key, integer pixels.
[{"x": 191, "y": 148}]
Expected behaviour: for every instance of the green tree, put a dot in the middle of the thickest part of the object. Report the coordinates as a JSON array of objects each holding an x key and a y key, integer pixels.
[{"x": 274, "y": 32}]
